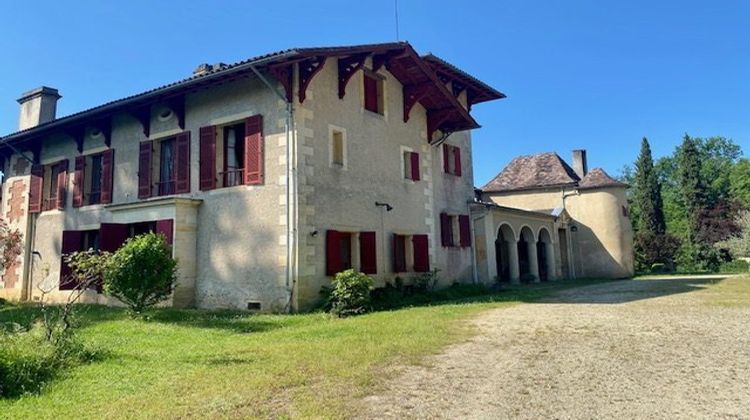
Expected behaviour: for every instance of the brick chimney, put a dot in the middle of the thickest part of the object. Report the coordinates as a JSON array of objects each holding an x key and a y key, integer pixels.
[
  {"x": 38, "y": 106},
  {"x": 580, "y": 166}
]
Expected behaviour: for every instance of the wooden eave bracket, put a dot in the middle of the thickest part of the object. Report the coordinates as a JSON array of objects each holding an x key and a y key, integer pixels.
[
  {"x": 378, "y": 60},
  {"x": 177, "y": 105},
  {"x": 347, "y": 67},
  {"x": 435, "y": 119},
  {"x": 143, "y": 115},
  {"x": 307, "y": 70},
  {"x": 283, "y": 73},
  {"x": 413, "y": 94},
  {"x": 78, "y": 133}
]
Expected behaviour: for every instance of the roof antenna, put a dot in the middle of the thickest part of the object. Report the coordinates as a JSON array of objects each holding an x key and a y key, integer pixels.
[{"x": 395, "y": 6}]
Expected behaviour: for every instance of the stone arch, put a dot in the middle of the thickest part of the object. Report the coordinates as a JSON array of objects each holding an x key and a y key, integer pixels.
[
  {"x": 527, "y": 261},
  {"x": 506, "y": 257},
  {"x": 545, "y": 255}
]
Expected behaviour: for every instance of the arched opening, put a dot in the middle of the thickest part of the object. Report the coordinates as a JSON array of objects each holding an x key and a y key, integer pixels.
[
  {"x": 545, "y": 256},
  {"x": 527, "y": 255},
  {"x": 505, "y": 239}
]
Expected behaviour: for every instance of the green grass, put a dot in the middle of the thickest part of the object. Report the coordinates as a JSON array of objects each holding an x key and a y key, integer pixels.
[{"x": 191, "y": 363}]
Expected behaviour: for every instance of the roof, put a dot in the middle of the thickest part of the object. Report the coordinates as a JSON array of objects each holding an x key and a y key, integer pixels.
[
  {"x": 533, "y": 171},
  {"x": 400, "y": 59},
  {"x": 546, "y": 170},
  {"x": 477, "y": 90},
  {"x": 598, "y": 178},
  {"x": 524, "y": 212}
]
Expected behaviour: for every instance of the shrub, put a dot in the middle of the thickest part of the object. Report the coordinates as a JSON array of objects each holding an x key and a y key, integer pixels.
[
  {"x": 28, "y": 361},
  {"x": 659, "y": 268},
  {"x": 426, "y": 282},
  {"x": 142, "y": 272},
  {"x": 736, "y": 266},
  {"x": 653, "y": 249},
  {"x": 350, "y": 294}
]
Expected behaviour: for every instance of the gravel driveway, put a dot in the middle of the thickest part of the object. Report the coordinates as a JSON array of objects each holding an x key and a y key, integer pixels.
[{"x": 629, "y": 349}]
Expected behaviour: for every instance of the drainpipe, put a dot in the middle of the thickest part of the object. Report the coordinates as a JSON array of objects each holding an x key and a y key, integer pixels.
[
  {"x": 474, "y": 273},
  {"x": 291, "y": 190}
]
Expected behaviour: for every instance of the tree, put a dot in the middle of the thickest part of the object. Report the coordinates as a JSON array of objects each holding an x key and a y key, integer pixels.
[
  {"x": 142, "y": 272},
  {"x": 739, "y": 182},
  {"x": 739, "y": 244},
  {"x": 647, "y": 193}
]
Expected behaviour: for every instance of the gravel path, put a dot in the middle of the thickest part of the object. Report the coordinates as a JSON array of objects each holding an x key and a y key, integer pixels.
[{"x": 629, "y": 349}]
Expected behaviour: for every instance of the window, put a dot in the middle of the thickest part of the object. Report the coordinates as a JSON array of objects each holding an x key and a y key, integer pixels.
[
  {"x": 373, "y": 92},
  {"x": 411, "y": 253},
  {"x": 92, "y": 179},
  {"x": 454, "y": 227},
  {"x": 411, "y": 165},
  {"x": 337, "y": 148},
  {"x": 234, "y": 155},
  {"x": 48, "y": 186},
  {"x": 236, "y": 149},
  {"x": 345, "y": 250},
  {"x": 74, "y": 241},
  {"x": 451, "y": 160},
  {"x": 165, "y": 165}
]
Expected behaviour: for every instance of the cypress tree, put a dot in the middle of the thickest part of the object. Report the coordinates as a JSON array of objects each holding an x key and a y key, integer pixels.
[
  {"x": 647, "y": 194},
  {"x": 692, "y": 186}
]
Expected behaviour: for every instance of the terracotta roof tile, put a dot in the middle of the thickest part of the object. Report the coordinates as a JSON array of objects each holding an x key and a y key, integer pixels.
[
  {"x": 598, "y": 178},
  {"x": 533, "y": 171}
]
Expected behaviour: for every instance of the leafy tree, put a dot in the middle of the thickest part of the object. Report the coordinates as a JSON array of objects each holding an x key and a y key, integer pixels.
[
  {"x": 739, "y": 182},
  {"x": 647, "y": 193},
  {"x": 739, "y": 243},
  {"x": 142, "y": 272}
]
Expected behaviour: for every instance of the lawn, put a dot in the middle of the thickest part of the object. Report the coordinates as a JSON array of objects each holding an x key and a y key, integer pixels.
[{"x": 187, "y": 363}]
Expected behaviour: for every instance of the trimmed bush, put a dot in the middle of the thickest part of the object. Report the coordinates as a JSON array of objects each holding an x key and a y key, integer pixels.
[
  {"x": 350, "y": 294},
  {"x": 142, "y": 272},
  {"x": 735, "y": 266}
]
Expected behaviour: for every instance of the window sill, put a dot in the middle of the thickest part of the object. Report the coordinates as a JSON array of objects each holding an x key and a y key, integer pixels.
[
  {"x": 89, "y": 207},
  {"x": 374, "y": 114},
  {"x": 227, "y": 190}
]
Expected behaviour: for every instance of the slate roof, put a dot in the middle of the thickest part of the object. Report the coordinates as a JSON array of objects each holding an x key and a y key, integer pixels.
[{"x": 546, "y": 170}]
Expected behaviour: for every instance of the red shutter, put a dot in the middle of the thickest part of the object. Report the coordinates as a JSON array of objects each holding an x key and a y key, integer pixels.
[
  {"x": 371, "y": 93},
  {"x": 457, "y": 157},
  {"x": 72, "y": 241},
  {"x": 144, "y": 169},
  {"x": 207, "y": 158},
  {"x": 61, "y": 183},
  {"x": 254, "y": 150},
  {"x": 165, "y": 227},
  {"x": 108, "y": 168},
  {"x": 368, "y": 259},
  {"x": 80, "y": 167},
  {"x": 465, "y": 230},
  {"x": 445, "y": 230},
  {"x": 446, "y": 158},
  {"x": 414, "y": 166},
  {"x": 182, "y": 163},
  {"x": 36, "y": 188},
  {"x": 421, "y": 253},
  {"x": 112, "y": 236},
  {"x": 399, "y": 253},
  {"x": 333, "y": 253}
]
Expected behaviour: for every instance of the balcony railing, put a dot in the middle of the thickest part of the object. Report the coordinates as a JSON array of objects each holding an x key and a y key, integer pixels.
[
  {"x": 166, "y": 187},
  {"x": 233, "y": 177}
]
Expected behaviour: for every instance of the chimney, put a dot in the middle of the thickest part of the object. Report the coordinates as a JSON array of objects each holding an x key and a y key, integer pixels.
[
  {"x": 580, "y": 166},
  {"x": 38, "y": 106}
]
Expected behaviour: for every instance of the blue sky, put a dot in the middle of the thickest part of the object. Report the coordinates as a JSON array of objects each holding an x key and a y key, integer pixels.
[{"x": 578, "y": 74}]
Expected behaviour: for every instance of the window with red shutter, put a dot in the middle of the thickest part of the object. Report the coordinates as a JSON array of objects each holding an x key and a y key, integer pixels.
[
  {"x": 254, "y": 150},
  {"x": 61, "y": 184},
  {"x": 372, "y": 97},
  {"x": 367, "y": 253},
  {"x": 144, "y": 169},
  {"x": 415, "y": 175},
  {"x": 446, "y": 158},
  {"x": 333, "y": 255},
  {"x": 182, "y": 163},
  {"x": 207, "y": 158},
  {"x": 446, "y": 230},
  {"x": 421, "y": 253},
  {"x": 36, "y": 188},
  {"x": 165, "y": 227},
  {"x": 107, "y": 176},
  {"x": 399, "y": 253},
  {"x": 72, "y": 241},
  {"x": 457, "y": 161},
  {"x": 464, "y": 227},
  {"x": 78, "y": 183}
]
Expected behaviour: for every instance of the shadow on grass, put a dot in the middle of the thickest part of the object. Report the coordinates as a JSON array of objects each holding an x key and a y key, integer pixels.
[{"x": 235, "y": 321}]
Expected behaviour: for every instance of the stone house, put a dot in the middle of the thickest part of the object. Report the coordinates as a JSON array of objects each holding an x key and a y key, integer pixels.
[
  {"x": 542, "y": 219},
  {"x": 267, "y": 176}
]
